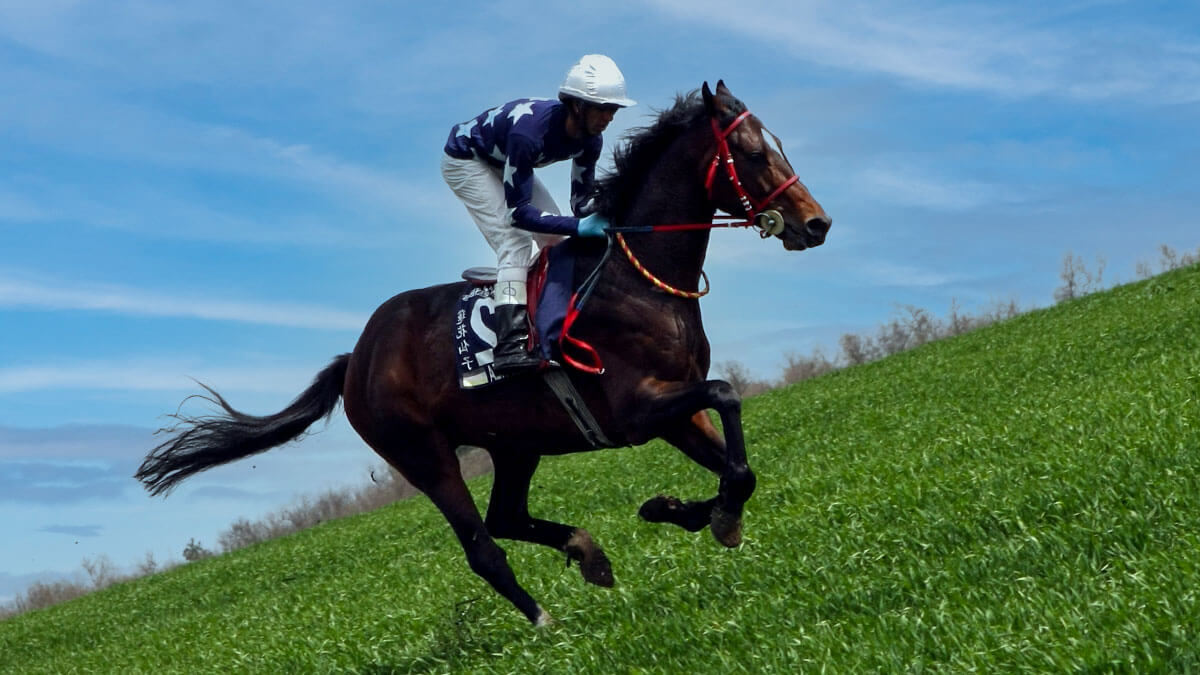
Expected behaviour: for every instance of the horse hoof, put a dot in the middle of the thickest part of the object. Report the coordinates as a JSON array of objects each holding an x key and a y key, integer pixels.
[
  {"x": 691, "y": 516},
  {"x": 596, "y": 569},
  {"x": 659, "y": 509},
  {"x": 726, "y": 527},
  {"x": 593, "y": 564}
]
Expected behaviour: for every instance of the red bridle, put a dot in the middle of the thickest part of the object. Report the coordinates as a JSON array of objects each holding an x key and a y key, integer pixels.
[
  {"x": 769, "y": 222},
  {"x": 751, "y": 206}
]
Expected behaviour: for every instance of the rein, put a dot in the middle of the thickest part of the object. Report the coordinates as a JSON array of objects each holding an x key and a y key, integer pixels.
[{"x": 769, "y": 221}]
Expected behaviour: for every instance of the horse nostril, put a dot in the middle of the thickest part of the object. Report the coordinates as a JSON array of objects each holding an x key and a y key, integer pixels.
[{"x": 818, "y": 227}]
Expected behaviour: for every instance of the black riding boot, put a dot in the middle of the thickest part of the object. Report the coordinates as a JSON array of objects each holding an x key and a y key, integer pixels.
[{"x": 512, "y": 335}]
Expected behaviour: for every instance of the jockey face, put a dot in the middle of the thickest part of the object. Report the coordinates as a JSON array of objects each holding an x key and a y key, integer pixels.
[
  {"x": 597, "y": 117},
  {"x": 590, "y": 119}
]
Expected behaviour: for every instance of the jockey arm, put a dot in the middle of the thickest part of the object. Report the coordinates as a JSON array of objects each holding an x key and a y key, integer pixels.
[
  {"x": 523, "y": 154},
  {"x": 583, "y": 181}
]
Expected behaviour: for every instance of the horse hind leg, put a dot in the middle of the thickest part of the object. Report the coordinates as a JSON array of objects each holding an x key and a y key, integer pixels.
[
  {"x": 437, "y": 474},
  {"x": 508, "y": 518}
]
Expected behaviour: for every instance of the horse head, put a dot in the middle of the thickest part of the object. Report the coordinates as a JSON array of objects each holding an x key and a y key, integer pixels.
[{"x": 750, "y": 175}]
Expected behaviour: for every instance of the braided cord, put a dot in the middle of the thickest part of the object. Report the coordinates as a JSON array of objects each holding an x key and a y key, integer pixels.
[{"x": 659, "y": 282}]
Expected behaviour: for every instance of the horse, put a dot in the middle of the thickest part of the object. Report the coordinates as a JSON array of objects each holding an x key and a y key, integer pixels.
[{"x": 400, "y": 393}]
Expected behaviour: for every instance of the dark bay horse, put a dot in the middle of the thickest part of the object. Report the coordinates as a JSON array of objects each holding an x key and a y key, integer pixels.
[{"x": 400, "y": 391}]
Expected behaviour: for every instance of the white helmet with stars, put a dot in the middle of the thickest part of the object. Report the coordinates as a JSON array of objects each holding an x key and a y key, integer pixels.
[{"x": 596, "y": 79}]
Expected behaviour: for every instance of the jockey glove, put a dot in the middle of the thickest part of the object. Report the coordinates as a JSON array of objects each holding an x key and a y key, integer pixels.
[{"x": 593, "y": 226}]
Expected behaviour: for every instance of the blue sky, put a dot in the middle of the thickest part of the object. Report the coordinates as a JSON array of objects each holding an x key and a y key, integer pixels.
[{"x": 225, "y": 191}]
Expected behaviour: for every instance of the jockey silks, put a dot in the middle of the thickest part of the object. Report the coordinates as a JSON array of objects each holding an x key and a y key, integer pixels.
[{"x": 518, "y": 137}]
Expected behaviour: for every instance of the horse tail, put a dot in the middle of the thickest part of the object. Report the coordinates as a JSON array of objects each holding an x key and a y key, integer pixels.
[{"x": 199, "y": 443}]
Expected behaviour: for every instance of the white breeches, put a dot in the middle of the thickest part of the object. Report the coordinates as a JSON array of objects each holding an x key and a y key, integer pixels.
[{"x": 481, "y": 189}]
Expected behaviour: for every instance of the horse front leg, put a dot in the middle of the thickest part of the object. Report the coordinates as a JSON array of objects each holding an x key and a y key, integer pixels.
[{"x": 723, "y": 453}]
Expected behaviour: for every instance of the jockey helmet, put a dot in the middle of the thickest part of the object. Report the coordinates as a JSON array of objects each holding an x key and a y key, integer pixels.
[{"x": 596, "y": 79}]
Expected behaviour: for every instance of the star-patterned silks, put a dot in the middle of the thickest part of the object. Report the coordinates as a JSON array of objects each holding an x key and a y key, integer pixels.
[
  {"x": 520, "y": 110},
  {"x": 518, "y": 137},
  {"x": 466, "y": 128},
  {"x": 491, "y": 115},
  {"x": 577, "y": 171}
]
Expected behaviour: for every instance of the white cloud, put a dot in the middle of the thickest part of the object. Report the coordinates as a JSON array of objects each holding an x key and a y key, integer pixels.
[
  {"x": 152, "y": 375},
  {"x": 15, "y": 207},
  {"x": 907, "y": 188},
  {"x": 1007, "y": 49},
  {"x": 137, "y": 302},
  {"x": 884, "y": 273}
]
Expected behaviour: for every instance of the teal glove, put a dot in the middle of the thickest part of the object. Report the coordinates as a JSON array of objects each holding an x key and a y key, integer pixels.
[{"x": 593, "y": 226}]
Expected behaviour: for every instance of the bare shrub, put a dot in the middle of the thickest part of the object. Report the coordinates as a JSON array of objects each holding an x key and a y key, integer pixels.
[
  {"x": 1168, "y": 258},
  {"x": 242, "y": 533},
  {"x": 195, "y": 551},
  {"x": 1077, "y": 279},
  {"x": 997, "y": 311},
  {"x": 1070, "y": 275},
  {"x": 958, "y": 323},
  {"x": 148, "y": 565},
  {"x": 741, "y": 379},
  {"x": 1171, "y": 260},
  {"x": 43, "y": 594},
  {"x": 1143, "y": 270},
  {"x": 921, "y": 326},
  {"x": 893, "y": 337},
  {"x": 798, "y": 368},
  {"x": 857, "y": 349},
  {"x": 101, "y": 571},
  {"x": 474, "y": 462},
  {"x": 386, "y": 486}
]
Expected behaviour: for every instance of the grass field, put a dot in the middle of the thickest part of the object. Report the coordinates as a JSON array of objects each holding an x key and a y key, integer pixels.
[{"x": 1022, "y": 498}]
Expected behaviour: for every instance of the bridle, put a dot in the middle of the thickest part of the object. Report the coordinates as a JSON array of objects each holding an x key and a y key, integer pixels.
[
  {"x": 749, "y": 204},
  {"x": 768, "y": 221}
]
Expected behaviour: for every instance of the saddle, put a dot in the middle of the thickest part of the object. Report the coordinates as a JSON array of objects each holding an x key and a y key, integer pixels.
[
  {"x": 549, "y": 292},
  {"x": 549, "y": 287}
]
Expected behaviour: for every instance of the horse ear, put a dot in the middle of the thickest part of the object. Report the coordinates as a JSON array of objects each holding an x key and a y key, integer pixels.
[{"x": 718, "y": 104}]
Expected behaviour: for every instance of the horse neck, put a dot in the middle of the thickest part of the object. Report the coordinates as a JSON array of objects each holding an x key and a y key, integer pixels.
[{"x": 672, "y": 193}]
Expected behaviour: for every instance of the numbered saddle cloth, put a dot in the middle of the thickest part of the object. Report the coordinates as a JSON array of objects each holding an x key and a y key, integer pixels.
[{"x": 549, "y": 291}]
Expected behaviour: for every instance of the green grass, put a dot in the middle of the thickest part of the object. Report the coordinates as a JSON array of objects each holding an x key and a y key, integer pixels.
[{"x": 1022, "y": 498}]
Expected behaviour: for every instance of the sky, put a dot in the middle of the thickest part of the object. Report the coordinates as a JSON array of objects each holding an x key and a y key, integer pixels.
[{"x": 224, "y": 191}]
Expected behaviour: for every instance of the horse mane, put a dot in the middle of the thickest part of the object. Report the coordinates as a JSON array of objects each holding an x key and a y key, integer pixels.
[{"x": 637, "y": 154}]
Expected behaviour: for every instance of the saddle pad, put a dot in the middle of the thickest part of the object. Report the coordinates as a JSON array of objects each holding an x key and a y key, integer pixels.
[
  {"x": 549, "y": 284},
  {"x": 475, "y": 336}
]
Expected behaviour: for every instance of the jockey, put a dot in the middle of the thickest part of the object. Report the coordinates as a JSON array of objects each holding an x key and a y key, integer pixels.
[{"x": 489, "y": 162}]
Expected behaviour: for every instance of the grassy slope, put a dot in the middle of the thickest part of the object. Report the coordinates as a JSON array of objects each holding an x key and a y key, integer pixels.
[{"x": 1021, "y": 498}]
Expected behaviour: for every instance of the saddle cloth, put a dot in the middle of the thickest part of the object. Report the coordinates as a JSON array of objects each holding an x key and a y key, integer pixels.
[{"x": 549, "y": 287}]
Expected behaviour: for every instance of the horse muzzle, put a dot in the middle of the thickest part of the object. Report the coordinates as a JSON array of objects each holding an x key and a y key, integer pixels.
[
  {"x": 815, "y": 230},
  {"x": 810, "y": 235}
]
